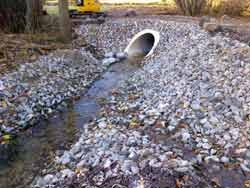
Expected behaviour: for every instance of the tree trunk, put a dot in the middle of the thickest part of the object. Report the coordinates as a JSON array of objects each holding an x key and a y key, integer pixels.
[
  {"x": 12, "y": 15},
  {"x": 65, "y": 24},
  {"x": 33, "y": 15}
]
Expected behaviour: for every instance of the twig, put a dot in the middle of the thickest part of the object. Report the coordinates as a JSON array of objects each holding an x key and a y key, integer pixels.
[{"x": 120, "y": 186}]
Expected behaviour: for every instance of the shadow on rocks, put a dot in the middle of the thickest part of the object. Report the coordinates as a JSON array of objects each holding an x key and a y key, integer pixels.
[{"x": 148, "y": 178}]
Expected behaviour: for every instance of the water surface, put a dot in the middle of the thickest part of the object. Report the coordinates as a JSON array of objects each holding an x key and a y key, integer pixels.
[{"x": 36, "y": 148}]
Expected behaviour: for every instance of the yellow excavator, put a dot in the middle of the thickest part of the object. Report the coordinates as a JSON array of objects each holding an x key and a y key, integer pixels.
[
  {"x": 80, "y": 7},
  {"x": 85, "y": 7}
]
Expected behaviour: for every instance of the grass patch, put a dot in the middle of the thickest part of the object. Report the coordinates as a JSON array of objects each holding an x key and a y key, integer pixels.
[{"x": 51, "y": 9}]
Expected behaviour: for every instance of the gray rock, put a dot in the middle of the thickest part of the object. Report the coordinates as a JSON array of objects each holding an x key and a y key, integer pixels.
[
  {"x": 245, "y": 168},
  {"x": 99, "y": 178},
  {"x": 203, "y": 20},
  {"x": 206, "y": 146},
  {"x": 195, "y": 106},
  {"x": 227, "y": 137},
  {"x": 214, "y": 120},
  {"x": 133, "y": 155},
  {"x": 247, "y": 154},
  {"x": 171, "y": 128},
  {"x": 109, "y": 61},
  {"x": 182, "y": 169},
  {"x": 102, "y": 125},
  {"x": 224, "y": 159},
  {"x": 212, "y": 158},
  {"x": 134, "y": 170},
  {"x": 203, "y": 121},
  {"x": 109, "y": 55},
  {"x": 186, "y": 137},
  {"x": 48, "y": 179},
  {"x": 121, "y": 55},
  {"x": 199, "y": 158},
  {"x": 76, "y": 148},
  {"x": 107, "y": 163},
  {"x": 128, "y": 166},
  {"x": 67, "y": 173},
  {"x": 213, "y": 151},
  {"x": 65, "y": 158},
  {"x": 212, "y": 27},
  {"x": 81, "y": 164}
]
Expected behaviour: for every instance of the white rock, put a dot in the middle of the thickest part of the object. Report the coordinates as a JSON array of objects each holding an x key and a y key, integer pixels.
[
  {"x": 212, "y": 158},
  {"x": 244, "y": 168},
  {"x": 224, "y": 159},
  {"x": 107, "y": 163},
  {"x": 76, "y": 148},
  {"x": 109, "y": 61},
  {"x": 182, "y": 163},
  {"x": 109, "y": 55},
  {"x": 182, "y": 169},
  {"x": 102, "y": 125},
  {"x": 67, "y": 173},
  {"x": 186, "y": 137},
  {"x": 81, "y": 164},
  {"x": 206, "y": 146},
  {"x": 65, "y": 158},
  {"x": 213, "y": 151},
  {"x": 203, "y": 121},
  {"x": 199, "y": 158},
  {"x": 171, "y": 128},
  {"x": 134, "y": 170},
  {"x": 48, "y": 179},
  {"x": 227, "y": 137},
  {"x": 121, "y": 55}
]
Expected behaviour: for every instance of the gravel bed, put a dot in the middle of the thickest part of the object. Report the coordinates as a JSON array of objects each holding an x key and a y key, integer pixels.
[
  {"x": 187, "y": 107},
  {"x": 37, "y": 89}
]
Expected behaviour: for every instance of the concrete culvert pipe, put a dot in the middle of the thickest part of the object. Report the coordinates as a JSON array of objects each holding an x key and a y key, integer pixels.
[{"x": 143, "y": 44}]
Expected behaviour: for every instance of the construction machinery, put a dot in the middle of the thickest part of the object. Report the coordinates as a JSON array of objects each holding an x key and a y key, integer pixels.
[
  {"x": 85, "y": 7},
  {"x": 79, "y": 7}
]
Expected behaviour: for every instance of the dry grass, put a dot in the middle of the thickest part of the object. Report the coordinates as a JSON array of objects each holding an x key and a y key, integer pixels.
[
  {"x": 193, "y": 7},
  {"x": 246, "y": 10},
  {"x": 229, "y": 7}
]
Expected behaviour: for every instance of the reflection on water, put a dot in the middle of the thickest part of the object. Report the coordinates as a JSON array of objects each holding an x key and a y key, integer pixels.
[{"x": 35, "y": 148}]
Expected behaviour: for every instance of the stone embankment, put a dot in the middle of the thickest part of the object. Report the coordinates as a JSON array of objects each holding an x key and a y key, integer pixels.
[{"x": 178, "y": 122}]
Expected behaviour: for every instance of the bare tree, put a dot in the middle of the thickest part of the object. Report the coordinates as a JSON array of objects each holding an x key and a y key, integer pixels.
[
  {"x": 191, "y": 7},
  {"x": 65, "y": 24},
  {"x": 34, "y": 14}
]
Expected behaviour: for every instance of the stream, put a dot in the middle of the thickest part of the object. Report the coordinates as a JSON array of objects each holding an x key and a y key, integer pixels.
[{"x": 36, "y": 148}]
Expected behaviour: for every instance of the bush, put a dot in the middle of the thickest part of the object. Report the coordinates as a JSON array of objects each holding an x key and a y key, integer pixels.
[
  {"x": 229, "y": 7},
  {"x": 191, "y": 7},
  {"x": 246, "y": 11}
]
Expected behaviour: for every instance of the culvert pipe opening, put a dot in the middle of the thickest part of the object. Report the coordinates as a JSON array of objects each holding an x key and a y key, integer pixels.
[{"x": 143, "y": 44}]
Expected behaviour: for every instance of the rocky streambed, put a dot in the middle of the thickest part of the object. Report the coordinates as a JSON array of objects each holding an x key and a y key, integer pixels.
[
  {"x": 23, "y": 158},
  {"x": 37, "y": 89},
  {"x": 180, "y": 121}
]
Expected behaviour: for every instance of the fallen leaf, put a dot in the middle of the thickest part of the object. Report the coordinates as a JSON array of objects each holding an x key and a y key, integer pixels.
[
  {"x": 6, "y": 137},
  {"x": 247, "y": 183},
  {"x": 4, "y": 104},
  {"x": 178, "y": 183}
]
